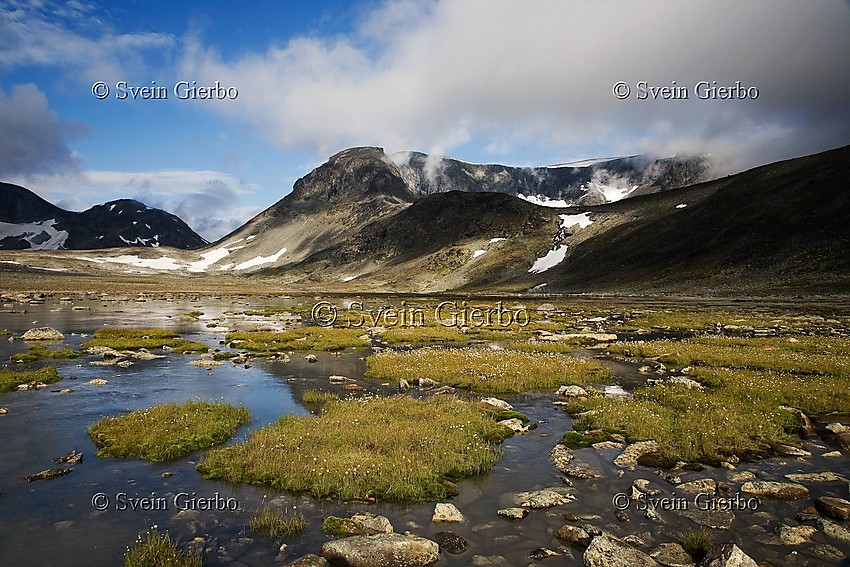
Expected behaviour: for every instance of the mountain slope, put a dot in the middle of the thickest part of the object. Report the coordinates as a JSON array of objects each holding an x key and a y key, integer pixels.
[{"x": 29, "y": 222}]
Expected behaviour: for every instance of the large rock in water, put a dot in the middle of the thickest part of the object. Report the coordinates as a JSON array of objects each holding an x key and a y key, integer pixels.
[
  {"x": 43, "y": 334},
  {"x": 729, "y": 555},
  {"x": 609, "y": 551},
  {"x": 383, "y": 550}
]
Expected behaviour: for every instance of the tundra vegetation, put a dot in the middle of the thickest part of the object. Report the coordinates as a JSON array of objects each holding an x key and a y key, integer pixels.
[
  {"x": 158, "y": 550},
  {"x": 167, "y": 431},
  {"x": 10, "y": 379},
  {"x": 135, "y": 339},
  {"x": 395, "y": 448},
  {"x": 303, "y": 338},
  {"x": 278, "y": 525}
]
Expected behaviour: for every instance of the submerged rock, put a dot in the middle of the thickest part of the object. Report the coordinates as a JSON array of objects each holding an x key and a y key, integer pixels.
[
  {"x": 608, "y": 551},
  {"x": 43, "y": 334},
  {"x": 702, "y": 485},
  {"x": 451, "y": 542},
  {"x": 545, "y": 498},
  {"x": 780, "y": 490},
  {"x": 542, "y": 553},
  {"x": 71, "y": 458},
  {"x": 386, "y": 550},
  {"x": 48, "y": 474}
]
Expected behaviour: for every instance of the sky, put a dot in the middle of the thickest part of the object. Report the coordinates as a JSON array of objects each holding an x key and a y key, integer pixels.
[{"x": 491, "y": 81}]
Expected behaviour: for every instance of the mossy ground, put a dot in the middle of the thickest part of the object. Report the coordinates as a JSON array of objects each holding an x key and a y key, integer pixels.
[
  {"x": 11, "y": 379},
  {"x": 485, "y": 370},
  {"x": 39, "y": 352},
  {"x": 135, "y": 339},
  {"x": 158, "y": 550},
  {"x": 167, "y": 431},
  {"x": 395, "y": 448},
  {"x": 304, "y": 338},
  {"x": 316, "y": 397}
]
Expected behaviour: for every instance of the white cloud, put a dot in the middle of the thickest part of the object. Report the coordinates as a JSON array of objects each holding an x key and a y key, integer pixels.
[{"x": 509, "y": 75}]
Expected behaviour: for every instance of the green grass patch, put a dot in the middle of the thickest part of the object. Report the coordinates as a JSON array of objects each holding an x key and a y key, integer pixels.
[
  {"x": 697, "y": 543},
  {"x": 194, "y": 314},
  {"x": 396, "y": 448},
  {"x": 11, "y": 379},
  {"x": 304, "y": 338},
  {"x": 485, "y": 370},
  {"x": 39, "y": 352},
  {"x": 167, "y": 431},
  {"x": 278, "y": 525},
  {"x": 157, "y": 550},
  {"x": 561, "y": 346},
  {"x": 225, "y": 355},
  {"x": 316, "y": 397},
  {"x": 698, "y": 320},
  {"x": 778, "y": 354},
  {"x": 135, "y": 339}
]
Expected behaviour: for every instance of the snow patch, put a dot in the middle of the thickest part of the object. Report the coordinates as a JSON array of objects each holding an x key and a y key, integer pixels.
[
  {"x": 550, "y": 260},
  {"x": 161, "y": 263},
  {"x": 543, "y": 200},
  {"x": 111, "y": 207},
  {"x": 581, "y": 163},
  {"x": 34, "y": 233},
  {"x": 495, "y": 240},
  {"x": 252, "y": 237},
  {"x": 348, "y": 278},
  {"x": 478, "y": 253},
  {"x": 259, "y": 260},
  {"x": 681, "y": 205},
  {"x": 208, "y": 259},
  {"x": 582, "y": 220}
]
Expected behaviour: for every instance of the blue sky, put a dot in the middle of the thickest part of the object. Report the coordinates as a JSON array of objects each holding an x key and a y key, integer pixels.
[{"x": 522, "y": 83}]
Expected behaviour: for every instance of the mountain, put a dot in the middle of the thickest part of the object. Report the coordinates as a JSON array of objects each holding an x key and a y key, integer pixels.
[
  {"x": 28, "y": 222},
  {"x": 590, "y": 182}
]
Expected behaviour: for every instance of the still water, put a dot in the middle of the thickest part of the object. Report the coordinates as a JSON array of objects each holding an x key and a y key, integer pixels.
[{"x": 59, "y": 522}]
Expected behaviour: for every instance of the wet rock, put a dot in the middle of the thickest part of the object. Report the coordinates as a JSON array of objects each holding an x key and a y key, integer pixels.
[
  {"x": 780, "y": 490},
  {"x": 98, "y": 382},
  {"x": 583, "y": 472},
  {"x": 48, "y": 474},
  {"x": 642, "y": 485},
  {"x": 571, "y": 392},
  {"x": 795, "y": 535},
  {"x": 728, "y": 555},
  {"x": 835, "y": 530},
  {"x": 71, "y": 458},
  {"x": 630, "y": 455},
  {"x": 671, "y": 555},
  {"x": 837, "y": 428},
  {"x": 570, "y": 517},
  {"x": 451, "y": 542},
  {"x": 832, "y": 454},
  {"x": 608, "y": 551},
  {"x": 634, "y": 540},
  {"x": 63, "y": 525},
  {"x": 807, "y": 514},
  {"x": 573, "y": 535},
  {"x": 495, "y": 404},
  {"x": 335, "y": 379},
  {"x": 309, "y": 561},
  {"x": 742, "y": 476},
  {"x": 652, "y": 515},
  {"x": 311, "y": 358},
  {"x": 43, "y": 334},
  {"x": 386, "y": 550},
  {"x": 702, "y": 485},
  {"x": 545, "y": 498},
  {"x": 446, "y": 513},
  {"x": 835, "y": 508},
  {"x": 542, "y": 553},
  {"x": 4, "y": 411},
  {"x": 717, "y": 519},
  {"x": 561, "y": 456},
  {"x": 815, "y": 477},
  {"x": 372, "y": 524},
  {"x": 487, "y": 560},
  {"x": 826, "y": 551},
  {"x": 791, "y": 451},
  {"x": 35, "y": 385},
  {"x": 514, "y": 425}
]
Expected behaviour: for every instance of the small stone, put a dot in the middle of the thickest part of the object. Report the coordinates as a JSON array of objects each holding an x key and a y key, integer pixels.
[
  {"x": 609, "y": 551},
  {"x": 167, "y": 474},
  {"x": 643, "y": 485},
  {"x": 571, "y": 392},
  {"x": 311, "y": 358},
  {"x": 513, "y": 513},
  {"x": 621, "y": 516},
  {"x": 792, "y": 451},
  {"x": 832, "y": 454},
  {"x": 495, "y": 404},
  {"x": 451, "y": 542},
  {"x": 487, "y": 560},
  {"x": 835, "y": 508},
  {"x": 514, "y": 425},
  {"x": 634, "y": 540},
  {"x": 603, "y": 445},
  {"x": 780, "y": 490},
  {"x": 309, "y": 561},
  {"x": 71, "y": 458},
  {"x": 98, "y": 382},
  {"x": 703, "y": 485},
  {"x": 795, "y": 535},
  {"x": 4, "y": 411},
  {"x": 206, "y": 363},
  {"x": 569, "y": 516},
  {"x": 446, "y": 513},
  {"x": 387, "y": 550},
  {"x": 48, "y": 474},
  {"x": 573, "y": 534},
  {"x": 542, "y": 553},
  {"x": 353, "y": 388},
  {"x": 335, "y": 379},
  {"x": 827, "y": 551}
]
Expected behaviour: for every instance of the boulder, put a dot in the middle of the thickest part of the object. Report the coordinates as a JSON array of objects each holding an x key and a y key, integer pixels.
[
  {"x": 608, "y": 551},
  {"x": 729, "y": 555},
  {"x": 446, "y": 513},
  {"x": 571, "y": 392},
  {"x": 780, "y": 490},
  {"x": 545, "y": 498},
  {"x": 384, "y": 550},
  {"x": 43, "y": 334},
  {"x": 309, "y": 561},
  {"x": 495, "y": 404},
  {"x": 630, "y": 455},
  {"x": 836, "y": 508},
  {"x": 514, "y": 425}
]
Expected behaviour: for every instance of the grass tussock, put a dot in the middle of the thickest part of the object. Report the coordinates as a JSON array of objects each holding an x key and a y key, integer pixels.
[
  {"x": 135, "y": 339},
  {"x": 395, "y": 448},
  {"x": 304, "y": 338},
  {"x": 754, "y": 354},
  {"x": 697, "y": 543},
  {"x": 167, "y": 431},
  {"x": 316, "y": 397},
  {"x": 40, "y": 352},
  {"x": 701, "y": 320},
  {"x": 278, "y": 525},
  {"x": 157, "y": 550},
  {"x": 11, "y": 379},
  {"x": 485, "y": 370}
]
